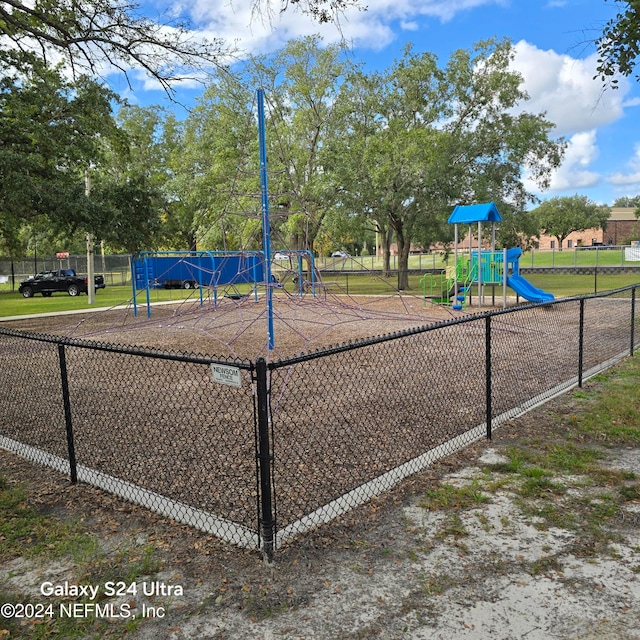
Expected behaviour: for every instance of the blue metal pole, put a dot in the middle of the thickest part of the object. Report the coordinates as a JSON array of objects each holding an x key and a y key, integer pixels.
[
  {"x": 133, "y": 286},
  {"x": 147, "y": 285},
  {"x": 266, "y": 227}
]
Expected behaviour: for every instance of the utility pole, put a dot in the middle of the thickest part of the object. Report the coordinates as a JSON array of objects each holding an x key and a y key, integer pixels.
[{"x": 91, "y": 289}]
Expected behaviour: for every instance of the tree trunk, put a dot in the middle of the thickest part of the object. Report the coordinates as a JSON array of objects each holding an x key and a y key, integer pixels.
[
  {"x": 386, "y": 235},
  {"x": 404, "y": 248}
]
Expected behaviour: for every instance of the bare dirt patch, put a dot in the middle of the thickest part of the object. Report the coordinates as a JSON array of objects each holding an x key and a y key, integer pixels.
[{"x": 238, "y": 328}]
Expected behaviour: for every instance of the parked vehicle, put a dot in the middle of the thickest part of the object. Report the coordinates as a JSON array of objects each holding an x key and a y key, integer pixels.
[{"x": 48, "y": 282}]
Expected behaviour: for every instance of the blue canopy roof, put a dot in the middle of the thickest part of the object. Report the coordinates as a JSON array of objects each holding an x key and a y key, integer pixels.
[{"x": 470, "y": 213}]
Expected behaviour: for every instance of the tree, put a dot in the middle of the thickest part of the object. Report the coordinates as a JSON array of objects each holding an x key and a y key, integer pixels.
[
  {"x": 431, "y": 137},
  {"x": 619, "y": 44},
  {"x": 560, "y": 216},
  {"x": 129, "y": 214},
  {"x": 629, "y": 202},
  {"x": 219, "y": 168},
  {"x": 54, "y": 136},
  {"x": 98, "y": 34},
  {"x": 301, "y": 83},
  {"x": 517, "y": 229},
  {"x": 51, "y": 131},
  {"x": 91, "y": 36},
  {"x": 391, "y": 150},
  {"x": 215, "y": 170},
  {"x": 320, "y": 10},
  {"x": 132, "y": 180}
]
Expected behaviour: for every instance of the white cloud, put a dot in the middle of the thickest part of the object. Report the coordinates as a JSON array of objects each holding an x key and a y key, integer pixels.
[
  {"x": 574, "y": 173},
  {"x": 266, "y": 31},
  {"x": 409, "y": 25},
  {"x": 632, "y": 178},
  {"x": 565, "y": 89}
]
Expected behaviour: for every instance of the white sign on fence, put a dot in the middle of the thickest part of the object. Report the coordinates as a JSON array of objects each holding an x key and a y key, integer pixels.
[
  {"x": 224, "y": 374},
  {"x": 632, "y": 254}
]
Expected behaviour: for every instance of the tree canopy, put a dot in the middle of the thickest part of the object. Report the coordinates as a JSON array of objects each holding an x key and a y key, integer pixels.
[
  {"x": 51, "y": 131},
  {"x": 421, "y": 137},
  {"x": 68, "y": 168},
  {"x": 321, "y": 10},
  {"x": 93, "y": 36},
  {"x": 619, "y": 44},
  {"x": 96, "y": 36},
  {"x": 561, "y": 216},
  {"x": 627, "y": 201},
  {"x": 350, "y": 153},
  {"x": 632, "y": 202},
  {"x": 54, "y": 132}
]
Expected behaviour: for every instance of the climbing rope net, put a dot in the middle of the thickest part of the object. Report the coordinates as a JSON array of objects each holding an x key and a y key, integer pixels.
[{"x": 310, "y": 306}]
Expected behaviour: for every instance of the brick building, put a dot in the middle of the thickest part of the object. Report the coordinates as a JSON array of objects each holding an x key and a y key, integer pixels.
[{"x": 621, "y": 229}]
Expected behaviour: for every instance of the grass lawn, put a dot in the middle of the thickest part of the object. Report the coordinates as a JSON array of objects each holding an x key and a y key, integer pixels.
[
  {"x": 561, "y": 285},
  {"x": 13, "y": 304},
  {"x": 576, "y": 257}
]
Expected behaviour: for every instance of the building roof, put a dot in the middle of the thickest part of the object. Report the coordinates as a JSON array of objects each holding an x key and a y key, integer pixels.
[
  {"x": 470, "y": 213},
  {"x": 622, "y": 213}
]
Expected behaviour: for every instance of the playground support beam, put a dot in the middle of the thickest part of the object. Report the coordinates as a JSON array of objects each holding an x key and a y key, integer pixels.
[
  {"x": 266, "y": 224},
  {"x": 480, "y": 292},
  {"x": 504, "y": 278},
  {"x": 455, "y": 261}
]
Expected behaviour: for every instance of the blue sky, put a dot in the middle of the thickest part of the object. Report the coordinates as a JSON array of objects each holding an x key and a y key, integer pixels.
[{"x": 555, "y": 55}]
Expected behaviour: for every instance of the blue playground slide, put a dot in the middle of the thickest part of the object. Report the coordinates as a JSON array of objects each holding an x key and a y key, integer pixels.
[{"x": 527, "y": 291}]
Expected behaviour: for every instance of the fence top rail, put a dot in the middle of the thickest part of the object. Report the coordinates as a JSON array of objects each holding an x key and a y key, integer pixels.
[
  {"x": 249, "y": 365},
  {"x": 128, "y": 350},
  {"x": 474, "y": 317}
]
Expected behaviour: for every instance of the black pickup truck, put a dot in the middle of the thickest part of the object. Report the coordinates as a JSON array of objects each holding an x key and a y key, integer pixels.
[{"x": 48, "y": 282}]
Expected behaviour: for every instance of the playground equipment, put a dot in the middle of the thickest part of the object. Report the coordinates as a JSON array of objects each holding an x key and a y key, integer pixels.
[
  {"x": 441, "y": 288},
  {"x": 213, "y": 271},
  {"x": 192, "y": 269},
  {"x": 478, "y": 267},
  {"x": 521, "y": 285}
]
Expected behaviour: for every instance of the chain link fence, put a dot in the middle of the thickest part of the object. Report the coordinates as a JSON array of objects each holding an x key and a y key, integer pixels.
[
  {"x": 350, "y": 423},
  {"x": 116, "y": 269},
  {"x": 149, "y": 426},
  {"x": 275, "y": 449}
]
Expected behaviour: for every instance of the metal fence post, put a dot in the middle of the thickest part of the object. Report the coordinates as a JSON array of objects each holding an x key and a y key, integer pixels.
[
  {"x": 487, "y": 366},
  {"x": 67, "y": 414},
  {"x": 264, "y": 459},
  {"x": 581, "y": 342},
  {"x": 633, "y": 319}
]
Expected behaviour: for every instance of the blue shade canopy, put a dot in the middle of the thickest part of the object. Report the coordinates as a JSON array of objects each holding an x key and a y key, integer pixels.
[{"x": 470, "y": 213}]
